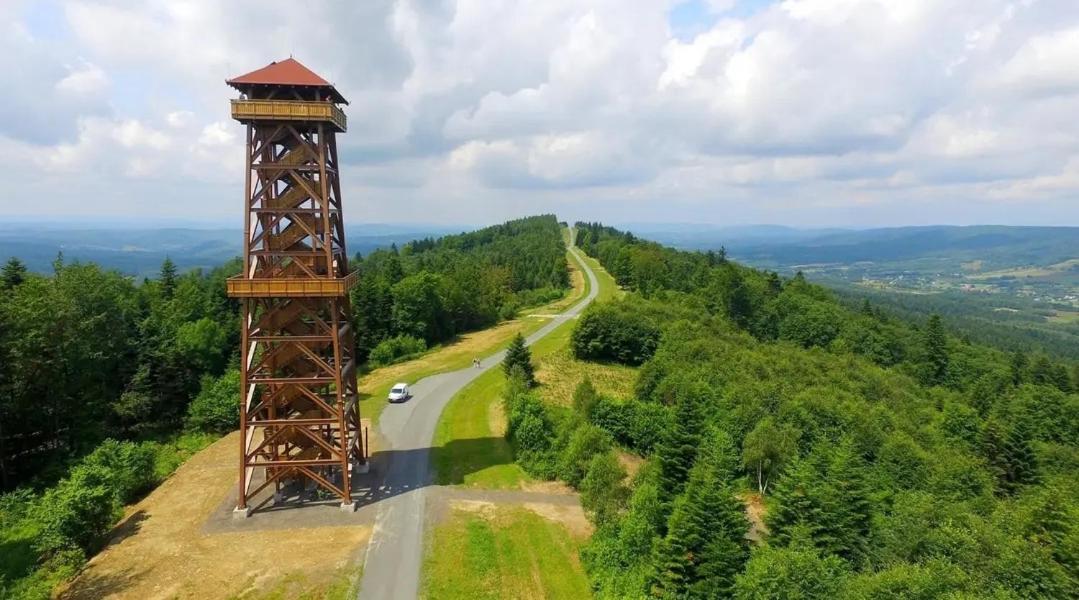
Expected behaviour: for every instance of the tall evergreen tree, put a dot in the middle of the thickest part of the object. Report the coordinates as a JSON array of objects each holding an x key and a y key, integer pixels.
[
  {"x": 739, "y": 304},
  {"x": 518, "y": 355},
  {"x": 825, "y": 498},
  {"x": 13, "y": 274},
  {"x": 167, "y": 277},
  {"x": 677, "y": 449},
  {"x": 1010, "y": 454},
  {"x": 935, "y": 345},
  {"x": 705, "y": 545},
  {"x": 1018, "y": 367}
]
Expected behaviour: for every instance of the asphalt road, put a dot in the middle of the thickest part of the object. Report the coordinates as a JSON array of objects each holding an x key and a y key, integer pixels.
[{"x": 394, "y": 555}]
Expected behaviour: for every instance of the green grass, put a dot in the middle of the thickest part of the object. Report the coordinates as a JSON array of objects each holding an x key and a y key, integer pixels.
[
  {"x": 169, "y": 454},
  {"x": 509, "y": 553},
  {"x": 457, "y": 355},
  {"x": 608, "y": 289},
  {"x": 299, "y": 586},
  {"x": 467, "y": 449}
]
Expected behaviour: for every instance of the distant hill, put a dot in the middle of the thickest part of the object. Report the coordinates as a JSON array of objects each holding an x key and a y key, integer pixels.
[
  {"x": 997, "y": 246},
  {"x": 140, "y": 251},
  {"x": 1014, "y": 287},
  {"x": 694, "y": 236}
]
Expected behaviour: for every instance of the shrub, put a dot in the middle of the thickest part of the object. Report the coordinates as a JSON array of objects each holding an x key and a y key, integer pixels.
[
  {"x": 217, "y": 407},
  {"x": 128, "y": 468},
  {"x": 78, "y": 512},
  {"x": 396, "y": 349},
  {"x": 609, "y": 332},
  {"x": 585, "y": 442},
  {"x": 635, "y": 425},
  {"x": 603, "y": 494}
]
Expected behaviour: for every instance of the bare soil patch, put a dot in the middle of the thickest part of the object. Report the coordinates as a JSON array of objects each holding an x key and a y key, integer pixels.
[{"x": 161, "y": 549}]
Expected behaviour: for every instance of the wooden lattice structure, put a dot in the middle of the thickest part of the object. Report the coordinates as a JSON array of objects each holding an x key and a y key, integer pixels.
[{"x": 299, "y": 415}]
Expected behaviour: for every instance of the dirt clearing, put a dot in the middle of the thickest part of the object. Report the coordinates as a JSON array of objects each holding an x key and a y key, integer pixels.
[{"x": 160, "y": 549}]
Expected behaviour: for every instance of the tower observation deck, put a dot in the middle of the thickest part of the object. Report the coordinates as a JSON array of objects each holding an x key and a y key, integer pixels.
[{"x": 299, "y": 412}]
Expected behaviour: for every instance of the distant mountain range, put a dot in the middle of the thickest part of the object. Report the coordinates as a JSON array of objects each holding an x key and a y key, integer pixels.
[
  {"x": 140, "y": 251},
  {"x": 997, "y": 246}
]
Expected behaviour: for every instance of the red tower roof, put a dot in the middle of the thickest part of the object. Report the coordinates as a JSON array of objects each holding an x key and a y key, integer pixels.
[{"x": 285, "y": 72}]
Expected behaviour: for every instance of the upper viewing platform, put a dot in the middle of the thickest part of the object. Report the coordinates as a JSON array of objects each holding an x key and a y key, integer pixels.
[
  {"x": 287, "y": 91},
  {"x": 288, "y": 110}
]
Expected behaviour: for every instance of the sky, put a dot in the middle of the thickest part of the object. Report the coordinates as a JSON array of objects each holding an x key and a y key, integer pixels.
[{"x": 808, "y": 113}]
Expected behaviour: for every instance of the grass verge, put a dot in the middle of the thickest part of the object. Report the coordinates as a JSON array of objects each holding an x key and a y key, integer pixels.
[
  {"x": 459, "y": 354},
  {"x": 502, "y": 553}
]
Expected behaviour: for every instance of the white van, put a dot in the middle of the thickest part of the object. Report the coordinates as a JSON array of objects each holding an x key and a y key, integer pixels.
[{"x": 400, "y": 393}]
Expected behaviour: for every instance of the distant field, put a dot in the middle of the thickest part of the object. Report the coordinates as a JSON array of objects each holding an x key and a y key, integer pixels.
[{"x": 1059, "y": 268}]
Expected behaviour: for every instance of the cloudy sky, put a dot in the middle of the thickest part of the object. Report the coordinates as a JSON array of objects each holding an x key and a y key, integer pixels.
[{"x": 799, "y": 112}]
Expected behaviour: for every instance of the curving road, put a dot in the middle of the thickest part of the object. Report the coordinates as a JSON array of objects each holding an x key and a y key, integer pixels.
[{"x": 395, "y": 552}]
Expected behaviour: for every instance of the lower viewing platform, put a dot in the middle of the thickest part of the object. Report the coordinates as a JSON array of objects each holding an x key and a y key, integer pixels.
[{"x": 241, "y": 287}]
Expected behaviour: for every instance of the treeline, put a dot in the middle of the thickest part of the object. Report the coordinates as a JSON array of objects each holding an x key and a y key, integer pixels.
[
  {"x": 889, "y": 459},
  {"x": 99, "y": 378},
  {"x": 433, "y": 289}
]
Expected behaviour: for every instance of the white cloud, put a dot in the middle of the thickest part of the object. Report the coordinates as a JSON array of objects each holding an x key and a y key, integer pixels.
[
  {"x": 805, "y": 111},
  {"x": 85, "y": 80}
]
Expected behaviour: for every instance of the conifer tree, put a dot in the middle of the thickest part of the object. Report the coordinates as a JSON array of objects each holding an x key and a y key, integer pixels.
[
  {"x": 705, "y": 543},
  {"x": 14, "y": 273},
  {"x": 167, "y": 278},
  {"x": 1010, "y": 454},
  {"x": 1041, "y": 371},
  {"x": 1018, "y": 368},
  {"x": 518, "y": 355},
  {"x": 677, "y": 449},
  {"x": 826, "y": 499},
  {"x": 852, "y": 507},
  {"x": 936, "y": 351},
  {"x": 739, "y": 305}
]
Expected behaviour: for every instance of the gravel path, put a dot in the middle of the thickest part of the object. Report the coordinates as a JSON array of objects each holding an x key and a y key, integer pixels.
[{"x": 395, "y": 552}]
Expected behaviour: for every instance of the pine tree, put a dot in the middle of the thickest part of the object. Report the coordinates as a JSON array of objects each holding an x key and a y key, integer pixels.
[
  {"x": 852, "y": 509},
  {"x": 13, "y": 274},
  {"x": 1022, "y": 460},
  {"x": 518, "y": 355},
  {"x": 1018, "y": 368},
  {"x": 167, "y": 278},
  {"x": 867, "y": 308},
  {"x": 677, "y": 449},
  {"x": 825, "y": 499},
  {"x": 739, "y": 305},
  {"x": 1010, "y": 454},
  {"x": 775, "y": 286},
  {"x": 936, "y": 351},
  {"x": 796, "y": 505},
  {"x": 705, "y": 543},
  {"x": 1041, "y": 371}
]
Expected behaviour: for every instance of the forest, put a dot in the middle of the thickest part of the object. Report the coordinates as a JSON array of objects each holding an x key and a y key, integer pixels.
[
  {"x": 108, "y": 383},
  {"x": 430, "y": 290},
  {"x": 796, "y": 447}
]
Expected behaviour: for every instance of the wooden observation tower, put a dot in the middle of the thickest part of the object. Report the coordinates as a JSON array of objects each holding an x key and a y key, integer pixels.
[{"x": 299, "y": 416}]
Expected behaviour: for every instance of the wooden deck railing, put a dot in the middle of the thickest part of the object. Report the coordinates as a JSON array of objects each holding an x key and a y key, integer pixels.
[{"x": 288, "y": 110}]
